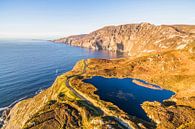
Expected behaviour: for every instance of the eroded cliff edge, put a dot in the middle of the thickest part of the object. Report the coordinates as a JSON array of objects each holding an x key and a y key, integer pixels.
[
  {"x": 135, "y": 39},
  {"x": 71, "y": 103}
]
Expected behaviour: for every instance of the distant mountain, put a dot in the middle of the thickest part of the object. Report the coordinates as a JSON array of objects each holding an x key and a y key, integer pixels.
[{"x": 135, "y": 38}]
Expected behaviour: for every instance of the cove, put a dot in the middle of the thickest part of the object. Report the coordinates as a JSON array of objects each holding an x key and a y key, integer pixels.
[{"x": 127, "y": 95}]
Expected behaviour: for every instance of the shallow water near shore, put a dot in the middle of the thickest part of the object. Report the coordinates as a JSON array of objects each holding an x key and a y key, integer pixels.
[
  {"x": 27, "y": 67},
  {"x": 127, "y": 95}
]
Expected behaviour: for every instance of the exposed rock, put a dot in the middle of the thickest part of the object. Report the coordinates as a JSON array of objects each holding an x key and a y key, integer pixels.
[{"x": 134, "y": 39}]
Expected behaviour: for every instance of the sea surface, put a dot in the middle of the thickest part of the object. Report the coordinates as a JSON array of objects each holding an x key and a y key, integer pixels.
[
  {"x": 29, "y": 66},
  {"x": 127, "y": 95}
]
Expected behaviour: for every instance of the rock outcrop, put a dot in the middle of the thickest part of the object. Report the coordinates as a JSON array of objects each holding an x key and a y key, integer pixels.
[{"x": 135, "y": 39}]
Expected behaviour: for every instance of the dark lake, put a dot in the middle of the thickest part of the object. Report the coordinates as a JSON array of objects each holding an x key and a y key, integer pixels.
[{"x": 127, "y": 95}]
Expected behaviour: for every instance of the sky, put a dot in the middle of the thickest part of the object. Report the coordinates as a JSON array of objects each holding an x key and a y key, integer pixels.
[{"x": 50, "y": 19}]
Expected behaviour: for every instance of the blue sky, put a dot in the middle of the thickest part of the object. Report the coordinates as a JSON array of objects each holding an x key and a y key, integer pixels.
[{"x": 45, "y": 19}]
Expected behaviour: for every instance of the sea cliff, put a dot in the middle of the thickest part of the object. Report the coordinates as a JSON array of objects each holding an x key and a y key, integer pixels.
[{"x": 135, "y": 39}]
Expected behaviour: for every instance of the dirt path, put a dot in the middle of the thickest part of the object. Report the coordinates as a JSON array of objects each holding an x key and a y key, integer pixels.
[{"x": 72, "y": 89}]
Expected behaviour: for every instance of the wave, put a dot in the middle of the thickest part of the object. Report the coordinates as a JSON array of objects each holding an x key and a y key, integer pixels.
[
  {"x": 3, "y": 108},
  {"x": 12, "y": 104},
  {"x": 39, "y": 91}
]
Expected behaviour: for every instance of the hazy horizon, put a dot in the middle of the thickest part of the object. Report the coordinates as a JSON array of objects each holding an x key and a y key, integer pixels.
[{"x": 35, "y": 19}]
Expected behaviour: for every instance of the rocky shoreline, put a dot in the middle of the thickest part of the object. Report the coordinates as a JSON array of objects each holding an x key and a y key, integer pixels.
[
  {"x": 5, "y": 112},
  {"x": 4, "y": 116}
]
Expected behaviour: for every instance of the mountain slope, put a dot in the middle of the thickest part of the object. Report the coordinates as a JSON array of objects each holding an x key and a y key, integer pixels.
[{"x": 135, "y": 39}]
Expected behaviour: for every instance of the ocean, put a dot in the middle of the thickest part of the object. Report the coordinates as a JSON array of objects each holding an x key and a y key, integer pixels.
[{"x": 29, "y": 66}]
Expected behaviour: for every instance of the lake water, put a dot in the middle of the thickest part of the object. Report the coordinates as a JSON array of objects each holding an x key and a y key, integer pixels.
[
  {"x": 27, "y": 67},
  {"x": 127, "y": 95}
]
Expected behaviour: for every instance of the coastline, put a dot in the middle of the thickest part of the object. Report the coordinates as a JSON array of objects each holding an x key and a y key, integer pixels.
[
  {"x": 60, "y": 92},
  {"x": 4, "y": 111}
]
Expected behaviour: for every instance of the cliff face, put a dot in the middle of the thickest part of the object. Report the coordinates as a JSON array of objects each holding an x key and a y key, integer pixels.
[{"x": 135, "y": 38}]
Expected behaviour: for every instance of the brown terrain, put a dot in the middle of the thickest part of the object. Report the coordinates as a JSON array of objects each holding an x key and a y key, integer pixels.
[
  {"x": 135, "y": 39},
  {"x": 71, "y": 103}
]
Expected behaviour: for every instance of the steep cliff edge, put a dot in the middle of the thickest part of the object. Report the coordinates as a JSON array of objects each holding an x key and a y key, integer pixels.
[{"x": 135, "y": 39}]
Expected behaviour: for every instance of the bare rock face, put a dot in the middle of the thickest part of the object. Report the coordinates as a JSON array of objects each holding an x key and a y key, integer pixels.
[{"x": 134, "y": 38}]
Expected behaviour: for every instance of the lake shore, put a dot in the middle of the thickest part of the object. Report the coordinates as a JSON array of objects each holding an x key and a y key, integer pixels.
[{"x": 146, "y": 85}]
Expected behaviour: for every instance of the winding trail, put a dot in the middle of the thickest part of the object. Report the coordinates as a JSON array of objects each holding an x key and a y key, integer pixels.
[
  {"x": 72, "y": 89},
  {"x": 83, "y": 98}
]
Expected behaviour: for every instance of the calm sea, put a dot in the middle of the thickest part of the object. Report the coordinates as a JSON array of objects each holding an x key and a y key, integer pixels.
[{"x": 27, "y": 67}]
